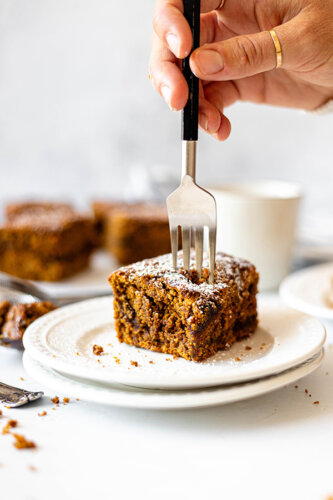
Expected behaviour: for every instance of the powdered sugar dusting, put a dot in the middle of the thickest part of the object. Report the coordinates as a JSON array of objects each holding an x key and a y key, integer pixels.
[{"x": 228, "y": 270}]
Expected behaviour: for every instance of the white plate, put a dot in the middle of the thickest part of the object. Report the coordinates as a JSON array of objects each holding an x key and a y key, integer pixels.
[
  {"x": 306, "y": 290},
  {"x": 63, "y": 340},
  {"x": 93, "y": 279},
  {"x": 131, "y": 397}
]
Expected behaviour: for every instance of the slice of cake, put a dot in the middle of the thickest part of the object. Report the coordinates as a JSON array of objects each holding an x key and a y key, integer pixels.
[
  {"x": 20, "y": 316},
  {"x": 172, "y": 311},
  {"x": 138, "y": 232},
  {"x": 45, "y": 241},
  {"x": 102, "y": 211}
]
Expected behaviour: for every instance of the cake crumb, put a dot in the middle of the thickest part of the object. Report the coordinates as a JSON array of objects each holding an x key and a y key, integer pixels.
[
  {"x": 55, "y": 400},
  {"x": 296, "y": 386},
  {"x": 248, "y": 348},
  {"x": 78, "y": 354},
  {"x": 134, "y": 363},
  {"x": 306, "y": 391},
  {"x": 151, "y": 362},
  {"x": 97, "y": 350},
  {"x": 0, "y": 413},
  {"x": 42, "y": 414},
  {"x": 22, "y": 443},
  {"x": 10, "y": 425},
  {"x": 168, "y": 359},
  {"x": 66, "y": 400},
  {"x": 21, "y": 378},
  {"x": 117, "y": 360},
  {"x": 315, "y": 403},
  {"x": 237, "y": 359},
  {"x": 32, "y": 468},
  {"x": 77, "y": 399}
]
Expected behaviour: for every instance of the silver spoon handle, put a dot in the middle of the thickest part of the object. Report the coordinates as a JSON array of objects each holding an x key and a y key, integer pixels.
[{"x": 13, "y": 396}]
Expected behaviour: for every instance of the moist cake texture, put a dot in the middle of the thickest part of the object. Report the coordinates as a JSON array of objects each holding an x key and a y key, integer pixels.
[
  {"x": 175, "y": 312},
  {"x": 20, "y": 316}
]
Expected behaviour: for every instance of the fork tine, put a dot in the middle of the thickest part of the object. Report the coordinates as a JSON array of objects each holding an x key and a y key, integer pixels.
[
  {"x": 174, "y": 245},
  {"x": 198, "y": 249},
  {"x": 212, "y": 252},
  {"x": 186, "y": 241}
]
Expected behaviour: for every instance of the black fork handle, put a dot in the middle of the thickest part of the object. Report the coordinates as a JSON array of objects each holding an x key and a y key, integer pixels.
[{"x": 190, "y": 113}]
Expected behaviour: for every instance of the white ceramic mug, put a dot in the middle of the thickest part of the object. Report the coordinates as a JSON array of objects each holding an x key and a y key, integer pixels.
[{"x": 258, "y": 221}]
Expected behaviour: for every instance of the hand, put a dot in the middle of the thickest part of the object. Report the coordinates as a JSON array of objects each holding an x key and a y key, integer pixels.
[{"x": 237, "y": 57}]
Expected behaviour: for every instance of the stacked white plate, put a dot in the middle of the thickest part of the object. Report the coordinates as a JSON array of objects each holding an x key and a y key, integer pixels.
[{"x": 59, "y": 353}]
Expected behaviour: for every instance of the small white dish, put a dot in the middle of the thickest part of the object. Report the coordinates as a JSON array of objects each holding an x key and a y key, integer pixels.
[
  {"x": 307, "y": 290},
  {"x": 132, "y": 397},
  {"x": 64, "y": 339}
]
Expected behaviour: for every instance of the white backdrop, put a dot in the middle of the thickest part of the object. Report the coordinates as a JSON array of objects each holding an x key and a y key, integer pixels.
[{"x": 77, "y": 110}]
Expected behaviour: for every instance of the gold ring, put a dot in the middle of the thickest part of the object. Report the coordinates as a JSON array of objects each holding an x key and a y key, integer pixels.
[
  {"x": 278, "y": 49},
  {"x": 221, "y": 5}
]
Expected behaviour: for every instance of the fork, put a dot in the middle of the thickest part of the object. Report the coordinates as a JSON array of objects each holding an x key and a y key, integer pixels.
[
  {"x": 29, "y": 288},
  {"x": 190, "y": 206}
]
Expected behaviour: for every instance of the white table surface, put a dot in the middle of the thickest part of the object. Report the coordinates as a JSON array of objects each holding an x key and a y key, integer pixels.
[{"x": 274, "y": 447}]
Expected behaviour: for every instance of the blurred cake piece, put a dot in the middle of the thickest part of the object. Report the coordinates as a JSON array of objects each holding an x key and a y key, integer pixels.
[
  {"x": 43, "y": 241},
  {"x": 20, "y": 316},
  {"x": 18, "y": 208},
  {"x": 4, "y": 308},
  {"x": 138, "y": 232},
  {"x": 132, "y": 231},
  {"x": 102, "y": 211}
]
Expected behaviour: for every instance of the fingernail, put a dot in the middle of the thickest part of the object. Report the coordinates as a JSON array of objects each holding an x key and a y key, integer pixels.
[
  {"x": 166, "y": 93},
  {"x": 209, "y": 61},
  {"x": 204, "y": 121},
  {"x": 173, "y": 43}
]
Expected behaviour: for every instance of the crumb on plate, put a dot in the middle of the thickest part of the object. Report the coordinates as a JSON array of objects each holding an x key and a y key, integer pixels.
[{"x": 97, "y": 350}]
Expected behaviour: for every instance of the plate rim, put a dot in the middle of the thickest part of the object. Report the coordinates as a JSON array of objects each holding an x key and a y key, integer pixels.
[
  {"x": 177, "y": 400},
  {"x": 142, "y": 380},
  {"x": 291, "y": 300}
]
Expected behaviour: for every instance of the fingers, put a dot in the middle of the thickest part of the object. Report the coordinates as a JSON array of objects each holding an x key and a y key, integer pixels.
[
  {"x": 166, "y": 76},
  {"x": 220, "y": 95},
  {"x": 237, "y": 57},
  {"x": 209, "y": 115},
  {"x": 172, "y": 28}
]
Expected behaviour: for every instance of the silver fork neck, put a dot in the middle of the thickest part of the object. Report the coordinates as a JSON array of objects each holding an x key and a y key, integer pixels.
[{"x": 189, "y": 154}]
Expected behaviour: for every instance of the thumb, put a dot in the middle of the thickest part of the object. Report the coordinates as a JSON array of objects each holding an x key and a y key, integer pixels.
[{"x": 235, "y": 58}]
